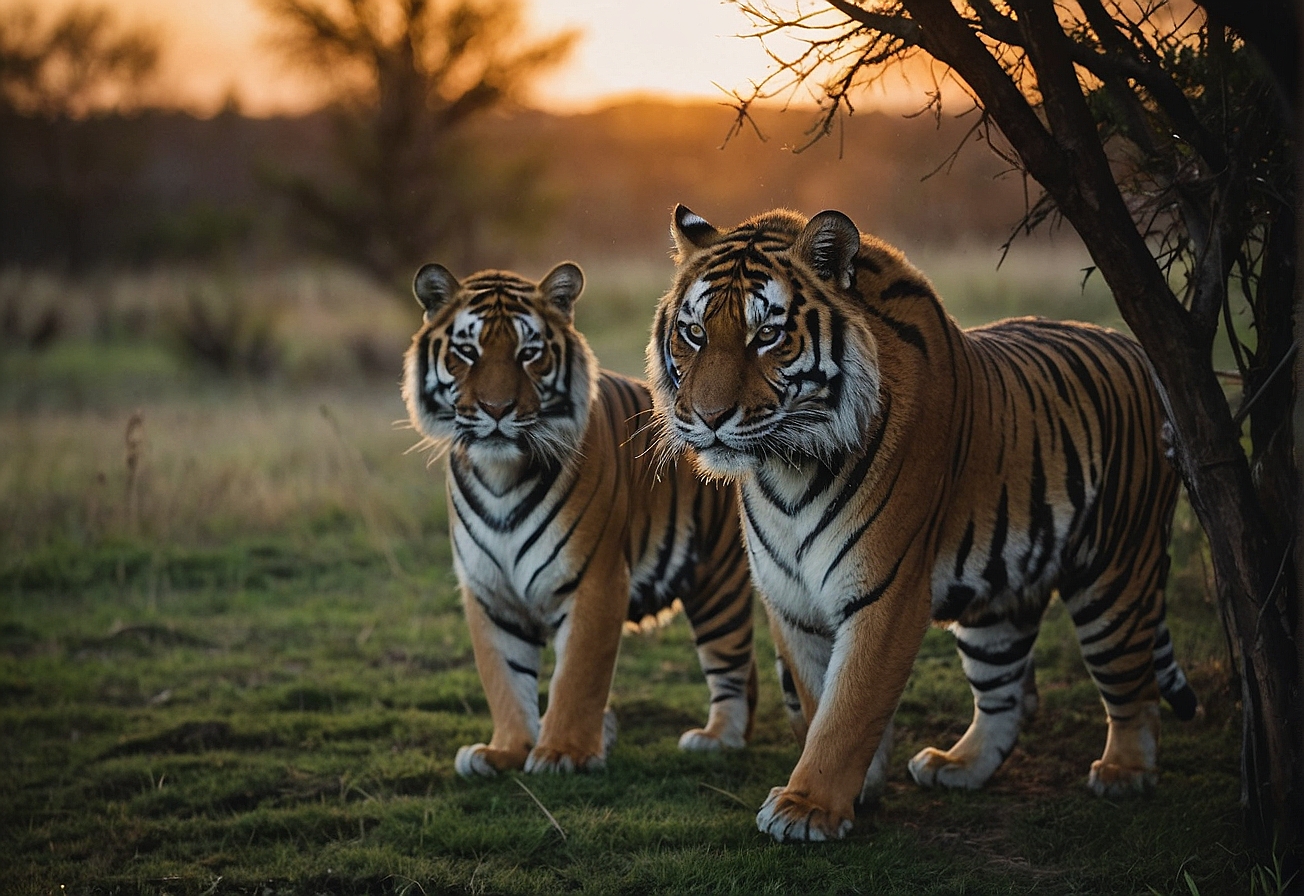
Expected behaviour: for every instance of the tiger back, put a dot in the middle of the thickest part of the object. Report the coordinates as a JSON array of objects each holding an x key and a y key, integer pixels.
[
  {"x": 896, "y": 470},
  {"x": 561, "y": 527}
]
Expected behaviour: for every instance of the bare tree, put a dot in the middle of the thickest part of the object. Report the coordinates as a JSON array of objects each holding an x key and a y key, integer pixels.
[
  {"x": 78, "y": 64},
  {"x": 1162, "y": 131},
  {"x": 58, "y": 81},
  {"x": 408, "y": 76}
]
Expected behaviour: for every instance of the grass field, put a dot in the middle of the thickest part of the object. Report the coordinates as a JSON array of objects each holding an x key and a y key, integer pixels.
[{"x": 232, "y": 658}]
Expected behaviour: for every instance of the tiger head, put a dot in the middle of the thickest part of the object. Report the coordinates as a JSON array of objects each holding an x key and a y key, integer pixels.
[
  {"x": 498, "y": 368},
  {"x": 760, "y": 350}
]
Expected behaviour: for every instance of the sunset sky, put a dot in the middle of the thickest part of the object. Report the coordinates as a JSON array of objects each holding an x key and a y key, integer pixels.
[{"x": 678, "y": 48}]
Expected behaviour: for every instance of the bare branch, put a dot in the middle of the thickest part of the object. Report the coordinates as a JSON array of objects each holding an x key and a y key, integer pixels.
[
  {"x": 900, "y": 27},
  {"x": 1124, "y": 59}
]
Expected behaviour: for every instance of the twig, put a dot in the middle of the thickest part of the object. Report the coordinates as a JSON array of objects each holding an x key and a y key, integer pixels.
[
  {"x": 737, "y": 799},
  {"x": 542, "y": 808},
  {"x": 1244, "y": 409},
  {"x": 410, "y": 883}
]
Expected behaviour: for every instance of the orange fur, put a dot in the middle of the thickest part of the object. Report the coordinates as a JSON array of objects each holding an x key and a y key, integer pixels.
[
  {"x": 564, "y": 523},
  {"x": 894, "y": 468}
]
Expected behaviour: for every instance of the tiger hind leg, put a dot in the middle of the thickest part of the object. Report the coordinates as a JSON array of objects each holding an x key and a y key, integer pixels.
[
  {"x": 1128, "y": 764},
  {"x": 791, "y": 699},
  {"x": 729, "y": 722},
  {"x": 1117, "y": 626},
  {"x": 722, "y": 628},
  {"x": 1172, "y": 681},
  {"x": 997, "y": 661}
]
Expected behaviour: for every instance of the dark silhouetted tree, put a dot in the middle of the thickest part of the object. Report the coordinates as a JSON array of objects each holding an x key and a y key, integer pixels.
[
  {"x": 79, "y": 64},
  {"x": 60, "y": 155},
  {"x": 1163, "y": 133},
  {"x": 409, "y": 76}
]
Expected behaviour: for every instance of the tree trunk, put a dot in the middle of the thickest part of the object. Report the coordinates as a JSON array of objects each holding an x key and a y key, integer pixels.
[{"x": 1065, "y": 156}]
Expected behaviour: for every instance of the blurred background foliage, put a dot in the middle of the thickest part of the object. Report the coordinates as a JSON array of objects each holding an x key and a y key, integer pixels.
[
  {"x": 426, "y": 151},
  {"x": 157, "y": 261}
]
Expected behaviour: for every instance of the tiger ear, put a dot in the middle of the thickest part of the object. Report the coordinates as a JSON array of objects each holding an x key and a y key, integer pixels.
[
  {"x": 434, "y": 286},
  {"x": 691, "y": 232},
  {"x": 562, "y": 286},
  {"x": 829, "y": 245}
]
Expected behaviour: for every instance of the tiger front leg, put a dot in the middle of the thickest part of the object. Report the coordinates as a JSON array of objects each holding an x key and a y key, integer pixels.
[
  {"x": 867, "y": 671},
  {"x": 578, "y": 729},
  {"x": 508, "y": 663},
  {"x": 800, "y": 702}
]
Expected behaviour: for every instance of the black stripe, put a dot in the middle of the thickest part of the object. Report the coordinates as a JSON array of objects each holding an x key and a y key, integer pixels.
[
  {"x": 741, "y": 616},
  {"x": 860, "y": 530},
  {"x": 997, "y": 707},
  {"x": 907, "y": 333},
  {"x": 962, "y": 552},
  {"x": 1016, "y": 651},
  {"x": 546, "y": 523},
  {"x": 561, "y": 542},
  {"x": 522, "y": 669},
  {"x": 808, "y": 626},
  {"x": 958, "y": 597},
  {"x": 995, "y": 572},
  {"x": 534, "y": 639},
  {"x": 763, "y": 542},
  {"x": 904, "y": 287},
  {"x": 851, "y": 483},
  {"x": 1009, "y": 676},
  {"x": 853, "y": 607}
]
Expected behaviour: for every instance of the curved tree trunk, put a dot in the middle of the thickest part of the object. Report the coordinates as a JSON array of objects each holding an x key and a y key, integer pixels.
[{"x": 1250, "y": 528}]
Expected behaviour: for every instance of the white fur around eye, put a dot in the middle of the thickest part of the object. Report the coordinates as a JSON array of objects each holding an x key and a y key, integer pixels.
[{"x": 696, "y": 298}]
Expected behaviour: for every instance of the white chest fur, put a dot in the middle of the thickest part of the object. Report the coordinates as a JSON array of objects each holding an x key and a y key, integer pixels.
[
  {"x": 509, "y": 546},
  {"x": 798, "y": 548}
]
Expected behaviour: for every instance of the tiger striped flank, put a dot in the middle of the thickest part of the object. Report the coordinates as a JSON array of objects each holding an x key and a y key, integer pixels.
[
  {"x": 562, "y": 526},
  {"x": 896, "y": 471}
]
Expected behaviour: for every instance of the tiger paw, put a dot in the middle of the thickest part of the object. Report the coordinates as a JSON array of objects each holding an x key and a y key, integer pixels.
[
  {"x": 931, "y": 767},
  {"x": 544, "y": 759},
  {"x": 1108, "y": 779},
  {"x": 481, "y": 760},
  {"x": 791, "y": 816},
  {"x": 699, "y": 740},
  {"x": 726, "y": 728}
]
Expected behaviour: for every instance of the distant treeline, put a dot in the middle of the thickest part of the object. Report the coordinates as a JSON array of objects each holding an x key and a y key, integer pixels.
[{"x": 114, "y": 190}]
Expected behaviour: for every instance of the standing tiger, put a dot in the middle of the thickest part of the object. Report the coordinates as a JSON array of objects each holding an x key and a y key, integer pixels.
[
  {"x": 560, "y": 525},
  {"x": 895, "y": 468}
]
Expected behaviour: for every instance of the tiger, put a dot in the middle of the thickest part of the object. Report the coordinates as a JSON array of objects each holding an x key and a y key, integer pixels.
[
  {"x": 561, "y": 527},
  {"x": 897, "y": 471}
]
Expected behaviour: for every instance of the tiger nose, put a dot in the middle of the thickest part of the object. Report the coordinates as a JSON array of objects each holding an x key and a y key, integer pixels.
[
  {"x": 497, "y": 409},
  {"x": 713, "y": 418}
]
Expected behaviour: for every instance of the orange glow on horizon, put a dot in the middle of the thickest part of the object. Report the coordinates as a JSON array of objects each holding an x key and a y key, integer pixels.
[{"x": 676, "y": 49}]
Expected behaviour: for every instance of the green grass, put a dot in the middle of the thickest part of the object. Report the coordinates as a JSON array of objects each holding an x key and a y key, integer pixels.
[
  {"x": 287, "y": 717},
  {"x": 241, "y": 667}
]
